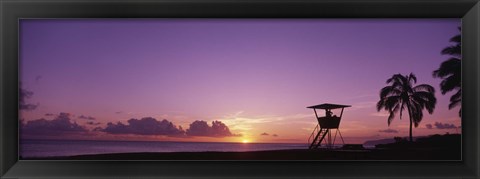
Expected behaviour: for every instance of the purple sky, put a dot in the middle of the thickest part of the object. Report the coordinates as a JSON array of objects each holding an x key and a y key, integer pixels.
[{"x": 253, "y": 75}]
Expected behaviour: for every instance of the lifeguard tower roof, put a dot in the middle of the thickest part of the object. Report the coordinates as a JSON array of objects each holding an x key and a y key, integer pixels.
[{"x": 328, "y": 106}]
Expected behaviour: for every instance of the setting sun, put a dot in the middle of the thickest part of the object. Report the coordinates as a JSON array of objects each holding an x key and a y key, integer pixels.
[{"x": 245, "y": 141}]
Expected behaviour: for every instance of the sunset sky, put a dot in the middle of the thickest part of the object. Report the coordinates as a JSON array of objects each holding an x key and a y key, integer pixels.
[{"x": 255, "y": 76}]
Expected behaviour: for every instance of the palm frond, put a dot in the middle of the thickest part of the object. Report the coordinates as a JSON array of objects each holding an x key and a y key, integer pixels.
[
  {"x": 454, "y": 50},
  {"x": 455, "y": 100},
  {"x": 389, "y": 91},
  {"x": 456, "y": 38},
  {"x": 380, "y": 105},
  {"x": 450, "y": 83},
  {"x": 412, "y": 78},
  {"x": 399, "y": 78},
  {"x": 424, "y": 87},
  {"x": 448, "y": 67},
  {"x": 392, "y": 111},
  {"x": 391, "y": 115},
  {"x": 385, "y": 91},
  {"x": 426, "y": 100},
  {"x": 416, "y": 113},
  {"x": 390, "y": 102},
  {"x": 401, "y": 109}
]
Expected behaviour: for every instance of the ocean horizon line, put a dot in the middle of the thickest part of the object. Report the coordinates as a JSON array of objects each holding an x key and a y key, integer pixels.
[{"x": 86, "y": 140}]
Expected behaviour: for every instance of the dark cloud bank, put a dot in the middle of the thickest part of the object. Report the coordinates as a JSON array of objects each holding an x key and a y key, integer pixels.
[
  {"x": 58, "y": 126},
  {"x": 151, "y": 126},
  {"x": 145, "y": 126},
  {"x": 201, "y": 128},
  {"x": 62, "y": 124}
]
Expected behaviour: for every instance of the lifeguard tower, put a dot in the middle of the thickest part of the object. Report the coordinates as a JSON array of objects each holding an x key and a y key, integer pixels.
[{"x": 327, "y": 123}]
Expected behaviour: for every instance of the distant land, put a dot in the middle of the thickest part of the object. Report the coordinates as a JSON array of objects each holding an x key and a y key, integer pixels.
[
  {"x": 379, "y": 141},
  {"x": 387, "y": 140}
]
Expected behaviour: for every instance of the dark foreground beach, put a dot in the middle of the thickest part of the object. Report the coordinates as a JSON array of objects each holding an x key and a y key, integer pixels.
[{"x": 370, "y": 154}]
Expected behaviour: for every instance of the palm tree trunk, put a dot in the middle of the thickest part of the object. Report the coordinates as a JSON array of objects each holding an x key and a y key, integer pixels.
[
  {"x": 411, "y": 139},
  {"x": 410, "y": 116}
]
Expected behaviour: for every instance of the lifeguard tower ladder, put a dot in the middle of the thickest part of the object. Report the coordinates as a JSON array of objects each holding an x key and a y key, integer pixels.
[{"x": 322, "y": 132}]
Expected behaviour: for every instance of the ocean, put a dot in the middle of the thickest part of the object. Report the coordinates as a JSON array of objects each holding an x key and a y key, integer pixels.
[{"x": 52, "y": 148}]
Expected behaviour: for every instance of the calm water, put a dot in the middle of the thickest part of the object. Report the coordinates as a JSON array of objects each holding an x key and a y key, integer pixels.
[{"x": 47, "y": 148}]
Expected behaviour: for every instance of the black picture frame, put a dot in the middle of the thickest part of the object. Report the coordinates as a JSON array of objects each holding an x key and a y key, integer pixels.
[{"x": 13, "y": 10}]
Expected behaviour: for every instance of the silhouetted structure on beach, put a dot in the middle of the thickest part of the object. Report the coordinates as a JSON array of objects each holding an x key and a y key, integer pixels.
[{"x": 322, "y": 132}]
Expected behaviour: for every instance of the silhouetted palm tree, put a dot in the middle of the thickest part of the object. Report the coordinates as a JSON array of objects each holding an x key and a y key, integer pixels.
[
  {"x": 401, "y": 95},
  {"x": 450, "y": 72}
]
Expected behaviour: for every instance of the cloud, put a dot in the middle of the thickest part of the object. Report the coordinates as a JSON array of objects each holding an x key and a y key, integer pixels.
[
  {"x": 59, "y": 125},
  {"x": 86, "y": 117},
  {"x": 388, "y": 131},
  {"x": 267, "y": 134},
  {"x": 201, "y": 128},
  {"x": 93, "y": 123},
  {"x": 118, "y": 112},
  {"x": 144, "y": 126},
  {"x": 23, "y": 105},
  {"x": 49, "y": 114},
  {"x": 98, "y": 129},
  {"x": 439, "y": 125}
]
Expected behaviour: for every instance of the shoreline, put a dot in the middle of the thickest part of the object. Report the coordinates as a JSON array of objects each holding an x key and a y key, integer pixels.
[{"x": 290, "y": 154}]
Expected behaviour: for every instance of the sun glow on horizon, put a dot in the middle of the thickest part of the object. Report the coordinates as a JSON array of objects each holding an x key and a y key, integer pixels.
[{"x": 245, "y": 141}]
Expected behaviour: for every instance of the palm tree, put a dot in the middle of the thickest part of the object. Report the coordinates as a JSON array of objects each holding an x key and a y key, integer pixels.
[
  {"x": 401, "y": 95},
  {"x": 450, "y": 72}
]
